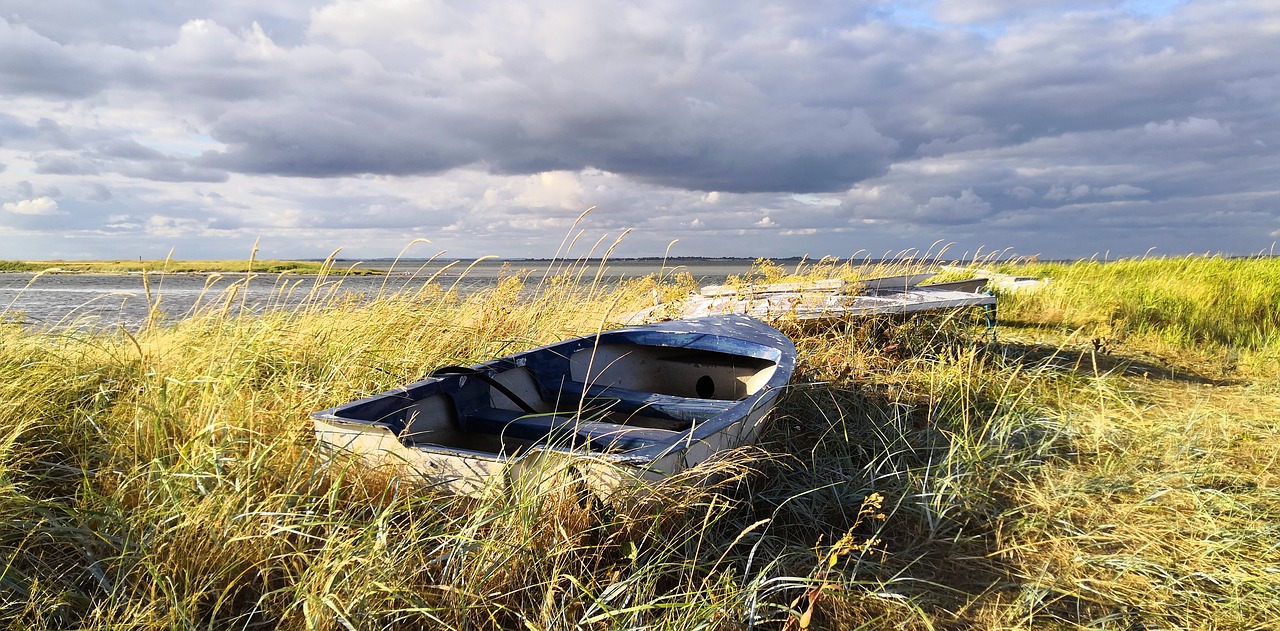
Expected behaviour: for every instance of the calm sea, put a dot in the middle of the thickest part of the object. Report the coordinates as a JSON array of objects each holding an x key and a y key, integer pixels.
[{"x": 109, "y": 300}]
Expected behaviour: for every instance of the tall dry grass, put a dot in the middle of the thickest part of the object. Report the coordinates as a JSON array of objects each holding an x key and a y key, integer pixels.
[
  {"x": 918, "y": 475},
  {"x": 1190, "y": 301}
]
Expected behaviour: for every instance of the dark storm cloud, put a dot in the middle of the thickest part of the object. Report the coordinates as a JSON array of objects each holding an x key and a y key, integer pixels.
[
  {"x": 56, "y": 149},
  {"x": 795, "y": 106},
  {"x": 128, "y": 150},
  {"x": 942, "y": 91},
  {"x": 34, "y": 64},
  {"x": 45, "y": 134},
  {"x": 66, "y": 165},
  {"x": 127, "y": 158},
  {"x": 130, "y": 158},
  {"x": 712, "y": 148},
  {"x": 171, "y": 171},
  {"x": 698, "y": 147},
  {"x": 680, "y": 117},
  {"x": 744, "y": 116},
  {"x": 354, "y": 140},
  {"x": 52, "y": 134}
]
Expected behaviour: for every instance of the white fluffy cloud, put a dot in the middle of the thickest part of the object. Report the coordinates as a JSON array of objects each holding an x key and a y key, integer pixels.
[{"x": 37, "y": 206}]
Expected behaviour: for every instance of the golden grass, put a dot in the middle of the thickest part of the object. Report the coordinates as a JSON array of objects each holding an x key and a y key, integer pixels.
[
  {"x": 1192, "y": 301},
  {"x": 917, "y": 476}
]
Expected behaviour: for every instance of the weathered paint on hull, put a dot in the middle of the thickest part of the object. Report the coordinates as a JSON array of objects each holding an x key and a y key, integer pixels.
[
  {"x": 479, "y": 474},
  {"x": 716, "y": 377}
]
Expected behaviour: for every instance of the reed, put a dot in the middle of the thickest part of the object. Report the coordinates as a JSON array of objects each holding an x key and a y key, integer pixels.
[
  {"x": 918, "y": 475},
  {"x": 1187, "y": 302}
]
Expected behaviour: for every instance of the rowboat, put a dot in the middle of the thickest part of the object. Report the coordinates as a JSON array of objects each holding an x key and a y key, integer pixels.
[
  {"x": 821, "y": 300},
  {"x": 636, "y": 403}
]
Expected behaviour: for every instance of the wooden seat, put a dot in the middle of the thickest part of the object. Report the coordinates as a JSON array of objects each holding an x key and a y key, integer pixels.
[
  {"x": 561, "y": 430},
  {"x": 666, "y": 406}
]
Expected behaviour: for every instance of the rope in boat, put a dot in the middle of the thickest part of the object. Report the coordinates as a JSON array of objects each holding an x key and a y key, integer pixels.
[{"x": 487, "y": 378}]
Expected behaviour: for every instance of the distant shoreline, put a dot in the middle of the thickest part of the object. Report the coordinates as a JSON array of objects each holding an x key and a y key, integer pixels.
[
  {"x": 374, "y": 266},
  {"x": 383, "y": 266}
]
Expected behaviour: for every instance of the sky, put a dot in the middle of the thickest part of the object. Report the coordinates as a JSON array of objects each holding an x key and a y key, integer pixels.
[{"x": 138, "y": 128}]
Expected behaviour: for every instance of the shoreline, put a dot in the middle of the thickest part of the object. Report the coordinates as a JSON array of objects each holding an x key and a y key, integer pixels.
[{"x": 403, "y": 266}]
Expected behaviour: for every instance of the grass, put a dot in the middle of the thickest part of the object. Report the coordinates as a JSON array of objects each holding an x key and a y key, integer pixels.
[
  {"x": 1195, "y": 301},
  {"x": 1107, "y": 463}
]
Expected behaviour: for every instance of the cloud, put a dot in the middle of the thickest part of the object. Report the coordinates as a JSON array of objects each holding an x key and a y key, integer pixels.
[
  {"x": 66, "y": 164},
  {"x": 1061, "y": 192},
  {"x": 996, "y": 11},
  {"x": 128, "y": 149},
  {"x": 165, "y": 226},
  {"x": 1122, "y": 190},
  {"x": 554, "y": 189},
  {"x": 744, "y": 144},
  {"x": 171, "y": 171},
  {"x": 98, "y": 193},
  {"x": 963, "y": 208},
  {"x": 35, "y": 64},
  {"x": 1021, "y": 192},
  {"x": 37, "y": 206},
  {"x": 1042, "y": 124},
  {"x": 513, "y": 97},
  {"x": 1192, "y": 128}
]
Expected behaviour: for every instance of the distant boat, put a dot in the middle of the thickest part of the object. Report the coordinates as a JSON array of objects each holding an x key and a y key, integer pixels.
[
  {"x": 823, "y": 299},
  {"x": 638, "y": 403}
]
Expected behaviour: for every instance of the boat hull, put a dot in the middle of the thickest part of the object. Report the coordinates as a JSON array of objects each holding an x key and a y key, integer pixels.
[
  {"x": 628, "y": 405},
  {"x": 824, "y": 300}
]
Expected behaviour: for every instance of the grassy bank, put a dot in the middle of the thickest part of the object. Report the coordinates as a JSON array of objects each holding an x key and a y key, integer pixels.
[
  {"x": 1105, "y": 464},
  {"x": 1186, "y": 302}
]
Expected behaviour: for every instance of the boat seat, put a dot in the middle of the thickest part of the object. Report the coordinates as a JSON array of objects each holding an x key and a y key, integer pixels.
[
  {"x": 667, "y": 406},
  {"x": 560, "y": 429}
]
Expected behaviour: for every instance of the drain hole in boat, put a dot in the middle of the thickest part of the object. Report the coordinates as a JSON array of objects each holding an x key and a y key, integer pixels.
[{"x": 706, "y": 387}]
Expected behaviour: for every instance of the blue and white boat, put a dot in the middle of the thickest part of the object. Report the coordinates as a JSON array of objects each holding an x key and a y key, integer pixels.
[{"x": 641, "y": 402}]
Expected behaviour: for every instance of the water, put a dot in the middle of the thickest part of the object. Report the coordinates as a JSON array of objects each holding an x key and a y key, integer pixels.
[{"x": 110, "y": 300}]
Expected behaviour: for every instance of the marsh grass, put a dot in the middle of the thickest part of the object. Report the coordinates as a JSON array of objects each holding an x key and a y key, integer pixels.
[
  {"x": 1217, "y": 302},
  {"x": 918, "y": 475}
]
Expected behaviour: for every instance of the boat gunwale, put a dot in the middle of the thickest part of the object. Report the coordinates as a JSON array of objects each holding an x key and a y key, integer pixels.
[{"x": 745, "y": 337}]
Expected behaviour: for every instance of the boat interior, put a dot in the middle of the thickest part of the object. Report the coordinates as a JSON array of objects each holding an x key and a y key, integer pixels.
[{"x": 605, "y": 398}]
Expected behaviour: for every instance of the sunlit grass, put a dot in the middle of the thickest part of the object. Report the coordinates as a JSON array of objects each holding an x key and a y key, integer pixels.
[
  {"x": 1193, "y": 301},
  {"x": 918, "y": 475}
]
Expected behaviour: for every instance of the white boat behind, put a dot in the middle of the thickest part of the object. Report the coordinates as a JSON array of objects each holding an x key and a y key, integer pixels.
[{"x": 823, "y": 299}]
